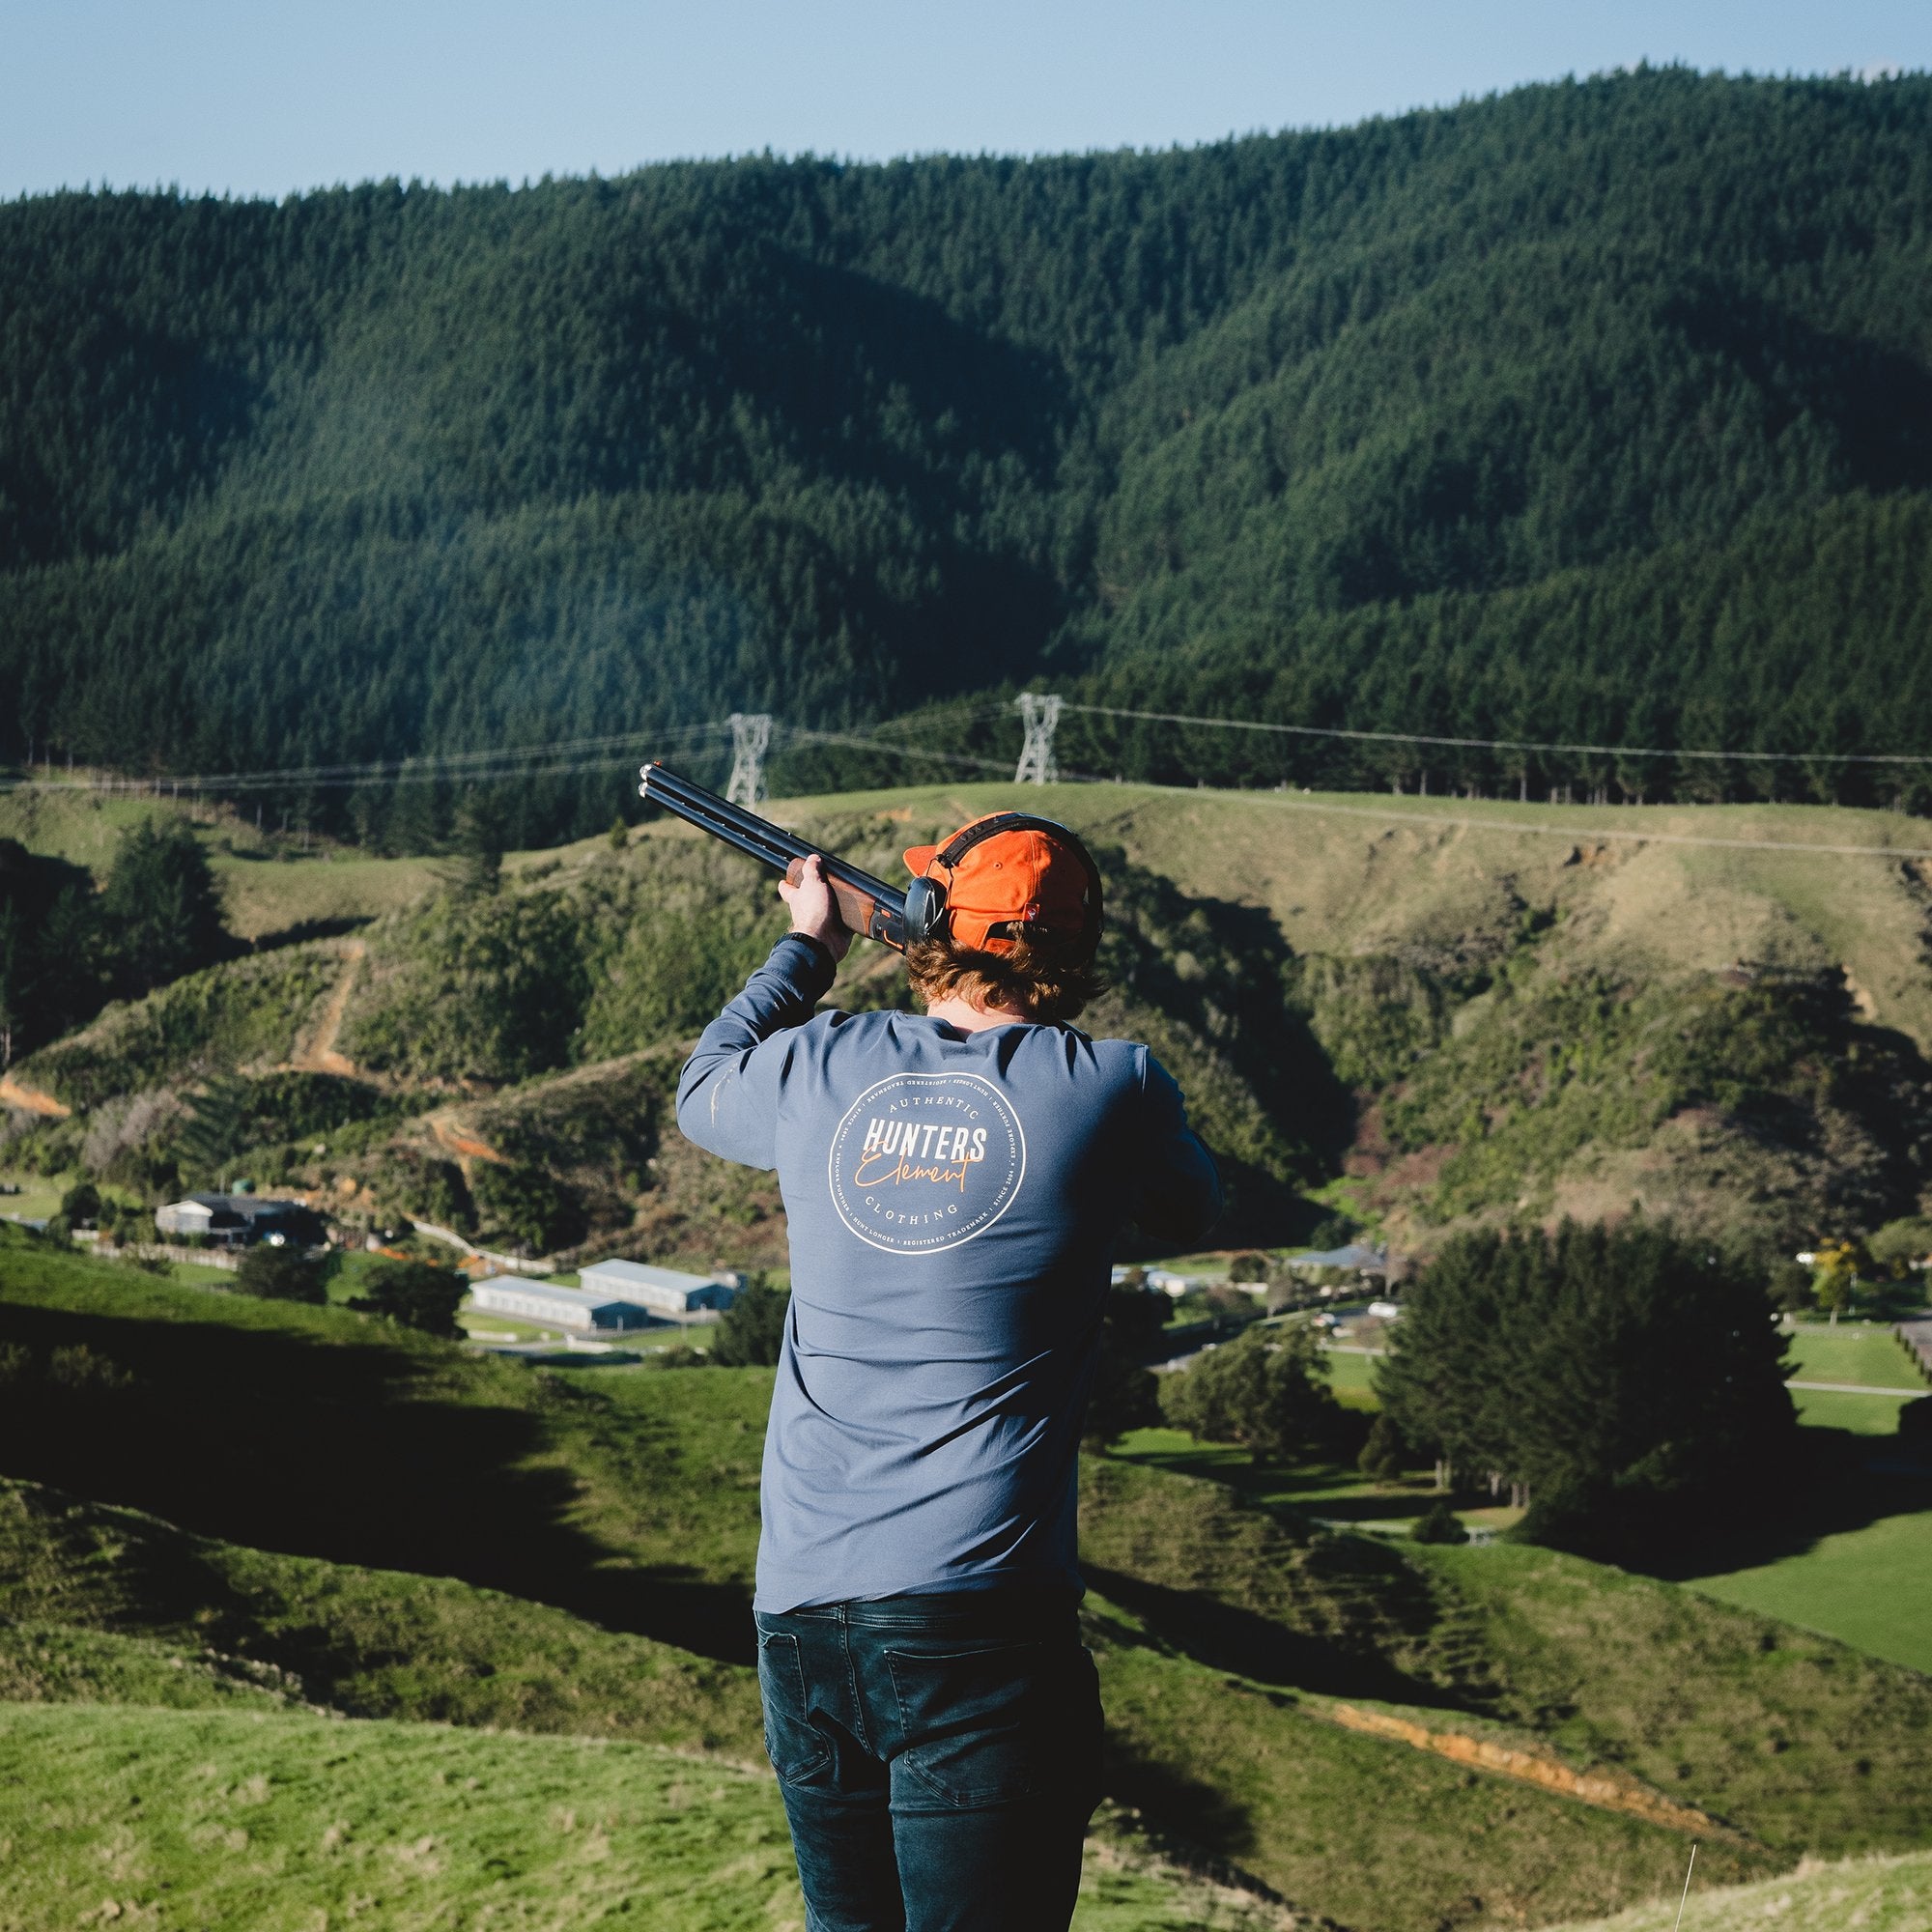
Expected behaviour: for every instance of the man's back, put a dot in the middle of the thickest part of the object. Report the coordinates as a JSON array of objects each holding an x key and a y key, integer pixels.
[{"x": 954, "y": 1199}]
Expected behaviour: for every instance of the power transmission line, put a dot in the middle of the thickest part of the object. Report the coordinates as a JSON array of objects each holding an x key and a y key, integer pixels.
[
  {"x": 495, "y": 761},
  {"x": 858, "y": 741},
  {"x": 1507, "y": 744},
  {"x": 1393, "y": 816},
  {"x": 579, "y": 754}
]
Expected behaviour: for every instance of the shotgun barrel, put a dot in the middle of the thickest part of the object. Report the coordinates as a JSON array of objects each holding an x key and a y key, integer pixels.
[{"x": 868, "y": 906}]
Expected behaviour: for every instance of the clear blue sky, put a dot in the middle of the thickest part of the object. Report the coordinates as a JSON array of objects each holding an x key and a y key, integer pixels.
[{"x": 260, "y": 99}]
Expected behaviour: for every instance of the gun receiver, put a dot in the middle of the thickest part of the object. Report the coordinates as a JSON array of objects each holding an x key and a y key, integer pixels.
[{"x": 868, "y": 906}]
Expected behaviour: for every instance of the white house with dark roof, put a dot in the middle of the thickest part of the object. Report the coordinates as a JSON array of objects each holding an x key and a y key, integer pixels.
[{"x": 234, "y": 1220}]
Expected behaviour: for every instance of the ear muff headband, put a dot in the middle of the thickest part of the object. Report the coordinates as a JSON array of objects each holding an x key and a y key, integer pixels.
[{"x": 926, "y": 915}]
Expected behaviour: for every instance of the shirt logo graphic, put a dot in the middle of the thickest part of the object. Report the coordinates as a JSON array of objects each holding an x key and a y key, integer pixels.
[{"x": 924, "y": 1161}]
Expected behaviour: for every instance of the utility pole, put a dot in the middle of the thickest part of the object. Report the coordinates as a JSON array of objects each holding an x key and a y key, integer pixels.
[
  {"x": 1039, "y": 714},
  {"x": 750, "y": 739}
]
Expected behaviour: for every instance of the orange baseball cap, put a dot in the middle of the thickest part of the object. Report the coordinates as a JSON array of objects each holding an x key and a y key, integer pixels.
[{"x": 1010, "y": 875}]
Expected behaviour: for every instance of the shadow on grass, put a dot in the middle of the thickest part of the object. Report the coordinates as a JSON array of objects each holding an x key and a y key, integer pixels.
[
  {"x": 1203, "y": 1826},
  {"x": 1225, "y": 1636},
  {"x": 343, "y": 1440},
  {"x": 1333, "y": 1491},
  {"x": 1838, "y": 1490},
  {"x": 305, "y": 929}
]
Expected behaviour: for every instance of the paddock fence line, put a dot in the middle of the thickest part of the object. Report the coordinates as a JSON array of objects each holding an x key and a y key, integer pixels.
[{"x": 1917, "y": 1335}]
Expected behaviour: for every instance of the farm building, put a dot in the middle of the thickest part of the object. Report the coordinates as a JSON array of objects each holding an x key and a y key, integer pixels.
[
  {"x": 665, "y": 1292},
  {"x": 556, "y": 1307},
  {"x": 235, "y": 1220},
  {"x": 1357, "y": 1257}
]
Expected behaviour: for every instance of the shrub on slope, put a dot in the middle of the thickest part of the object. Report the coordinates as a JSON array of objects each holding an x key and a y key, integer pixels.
[{"x": 214, "y": 1020}]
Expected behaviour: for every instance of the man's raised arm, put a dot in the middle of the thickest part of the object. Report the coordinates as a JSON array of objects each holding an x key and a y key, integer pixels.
[
  {"x": 728, "y": 1096},
  {"x": 1179, "y": 1197}
]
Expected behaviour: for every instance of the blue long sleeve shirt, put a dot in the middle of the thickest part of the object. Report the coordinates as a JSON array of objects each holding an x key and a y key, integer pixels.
[{"x": 954, "y": 1201}]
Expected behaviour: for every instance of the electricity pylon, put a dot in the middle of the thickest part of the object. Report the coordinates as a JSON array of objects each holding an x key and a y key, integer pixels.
[
  {"x": 750, "y": 739},
  {"x": 1039, "y": 714}
]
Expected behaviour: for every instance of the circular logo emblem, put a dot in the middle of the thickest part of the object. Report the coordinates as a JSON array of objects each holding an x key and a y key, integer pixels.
[{"x": 924, "y": 1161}]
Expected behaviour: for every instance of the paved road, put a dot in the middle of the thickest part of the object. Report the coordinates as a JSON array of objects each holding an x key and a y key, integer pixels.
[{"x": 1853, "y": 1388}]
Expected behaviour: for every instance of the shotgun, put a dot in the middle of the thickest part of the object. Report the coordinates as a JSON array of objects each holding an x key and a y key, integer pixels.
[{"x": 868, "y": 906}]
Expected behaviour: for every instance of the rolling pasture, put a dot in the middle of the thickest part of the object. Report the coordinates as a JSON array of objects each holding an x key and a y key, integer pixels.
[{"x": 566, "y": 1554}]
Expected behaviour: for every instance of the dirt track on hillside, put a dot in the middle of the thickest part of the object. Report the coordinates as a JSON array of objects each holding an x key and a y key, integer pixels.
[
  {"x": 1609, "y": 1791},
  {"x": 318, "y": 1053}
]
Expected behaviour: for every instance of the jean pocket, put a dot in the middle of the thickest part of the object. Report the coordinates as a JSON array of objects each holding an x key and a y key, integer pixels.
[
  {"x": 796, "y": 1748},
  {"x": 995, "y": 1722}
]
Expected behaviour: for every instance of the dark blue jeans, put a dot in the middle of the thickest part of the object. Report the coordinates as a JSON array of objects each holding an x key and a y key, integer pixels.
[{"x": 939, "y": 1758}]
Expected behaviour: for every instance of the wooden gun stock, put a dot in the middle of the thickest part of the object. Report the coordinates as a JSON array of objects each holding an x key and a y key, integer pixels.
[{"x": 861, "y": 911}]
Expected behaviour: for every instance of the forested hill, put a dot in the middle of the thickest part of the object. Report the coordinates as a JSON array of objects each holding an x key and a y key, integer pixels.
[{"x": 1597, "y": 411}]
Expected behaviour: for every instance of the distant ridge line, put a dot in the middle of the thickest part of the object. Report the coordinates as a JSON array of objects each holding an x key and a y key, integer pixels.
[
  {"x": 1582, "y": 835},
  {"x": 540, "y": 762}
]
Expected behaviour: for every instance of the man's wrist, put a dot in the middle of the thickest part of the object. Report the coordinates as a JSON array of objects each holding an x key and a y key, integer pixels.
[{"x": 823, "y": 956}]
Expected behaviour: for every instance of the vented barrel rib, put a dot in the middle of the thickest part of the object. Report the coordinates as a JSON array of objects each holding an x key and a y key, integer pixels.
[{"x": 868, "y": 905}]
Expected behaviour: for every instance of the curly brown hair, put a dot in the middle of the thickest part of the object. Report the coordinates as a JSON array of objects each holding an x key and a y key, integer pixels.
[{"x": 1039, "y": 982}]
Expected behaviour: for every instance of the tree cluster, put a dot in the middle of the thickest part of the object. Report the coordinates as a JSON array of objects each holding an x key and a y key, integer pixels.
[
  {"x": 274, "y": 1273},
  {"x": 750, "y": 1332},
  {"x": 423, "y": 1295},
  {"x": 1267, "y": 1390},
  {"x": 65, "y": 949},
  {"x": 1126, "y": 1393},
  {"x": 1623, "y": 1381}
]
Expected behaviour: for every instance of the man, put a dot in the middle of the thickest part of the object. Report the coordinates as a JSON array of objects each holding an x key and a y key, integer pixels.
[{"x": 955, "y": 1183}]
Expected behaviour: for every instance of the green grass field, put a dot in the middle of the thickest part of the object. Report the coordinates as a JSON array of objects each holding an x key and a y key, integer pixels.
[
  {"x": 1867, "y": 1353},
  {"x": 1335, "y": 1491},
  {"x": 487, "y": 1325},
  {"x": 1870, "y": 1586},
  {"x": 38, "y": 1199},
  {"x": 1350, "y": 1376},
  {"x": 1855, "y": 1351},
  {"x": 280, "y": 1821},
  {"x": 1857, "y": 1414},
  {"x": 1859, "y": 1565}
]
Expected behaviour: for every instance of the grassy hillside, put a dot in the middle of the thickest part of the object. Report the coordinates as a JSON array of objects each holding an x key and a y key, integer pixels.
[
  {"x": 1233, "y": 1774},
  {"x": 275, "y": 1820},
  {"x": 1231, "y": 1638},
  {"x": 1855, "y": 1895},
  {"x": 1459, "y": 1009},
  {"x": 368, "y": 1444},
  {"x": 106, "y": 1605},
  {"x": 254, "y": 1822}
]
